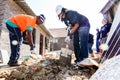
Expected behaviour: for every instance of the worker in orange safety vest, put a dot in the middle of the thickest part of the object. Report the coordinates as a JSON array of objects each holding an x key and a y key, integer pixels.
[{"x": 16, "y": 25}]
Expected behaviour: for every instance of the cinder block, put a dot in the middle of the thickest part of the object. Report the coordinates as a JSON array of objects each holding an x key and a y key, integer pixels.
[
  {"x": 66, "y": 56},
  {"x": 4, "y": 57}
]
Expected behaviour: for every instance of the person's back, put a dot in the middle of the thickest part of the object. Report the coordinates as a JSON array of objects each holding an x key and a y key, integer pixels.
[
  {"x": 23, "y": 21},
  {"x": 73, "y": 17}
]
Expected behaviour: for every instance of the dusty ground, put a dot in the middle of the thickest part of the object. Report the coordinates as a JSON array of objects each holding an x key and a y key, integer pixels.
[
  {"x": 41, "y": 68},
  {"x": 47, "y": 68}
]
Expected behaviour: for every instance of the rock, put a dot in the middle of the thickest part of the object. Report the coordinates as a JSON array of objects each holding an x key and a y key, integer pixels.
[
  {"x": 109, "y": 70},
  {"x": 66, "y": 56},
  {"x": 88, "y": 62},
  {"x": 44, "y": 69},
  {"x": 17, "y": 74}
]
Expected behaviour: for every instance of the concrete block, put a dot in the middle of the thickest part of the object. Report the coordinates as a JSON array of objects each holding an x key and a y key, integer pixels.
[
  {"x": 66, "y": 56},
  {"x": 4, "y": 58}
]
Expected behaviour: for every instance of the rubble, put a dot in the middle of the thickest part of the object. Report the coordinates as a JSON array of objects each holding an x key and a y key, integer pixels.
[
  {"x": 110, "y": 70},
  {"x": 46, "y": 68},
  {"x": 88, "y": 62}
]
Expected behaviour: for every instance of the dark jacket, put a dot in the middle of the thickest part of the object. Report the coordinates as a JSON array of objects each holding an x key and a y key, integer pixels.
[
  {"x": 73, "y": 17},
  {"x": 105, "y": 29}
]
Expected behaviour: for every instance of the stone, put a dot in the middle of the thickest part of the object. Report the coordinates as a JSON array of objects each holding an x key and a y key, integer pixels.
[
  {"x": 88, "y": 62},
  {"x": 109, "y": 70},
  {"x": 4, "y": 58},
  {"x": 66, "y": 56}
]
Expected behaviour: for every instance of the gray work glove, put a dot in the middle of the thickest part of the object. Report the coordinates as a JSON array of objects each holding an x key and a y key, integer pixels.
[{"x": 67, "y": 39}]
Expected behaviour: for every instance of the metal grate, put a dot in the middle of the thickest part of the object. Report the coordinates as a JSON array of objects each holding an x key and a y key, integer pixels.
[{"x": 114, "y": 45}]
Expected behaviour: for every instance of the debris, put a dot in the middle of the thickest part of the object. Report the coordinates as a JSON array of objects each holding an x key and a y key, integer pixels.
[
  {"x": 47, "y": 68},
  {"x": 66, "y": 56},
  {"x": 88, "y": 62},
  {"x": 109, "y": 70}
]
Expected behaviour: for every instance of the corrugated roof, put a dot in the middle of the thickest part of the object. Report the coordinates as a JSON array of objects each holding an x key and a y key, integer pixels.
[
  {"x": 58, "y": 32},
  {"x": 108, "y": 5}
]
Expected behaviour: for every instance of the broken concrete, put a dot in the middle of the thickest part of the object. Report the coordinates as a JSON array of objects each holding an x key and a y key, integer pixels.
[
  {"x": 110, "y": 70},
  {"x": 4, "y": 58},
  {"x": 66, "y": 56},
  {"x": 45, "y": 69}
]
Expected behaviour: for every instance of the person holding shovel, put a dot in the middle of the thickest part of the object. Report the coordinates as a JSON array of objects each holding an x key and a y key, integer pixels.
[{"x": 79, "y": 29}]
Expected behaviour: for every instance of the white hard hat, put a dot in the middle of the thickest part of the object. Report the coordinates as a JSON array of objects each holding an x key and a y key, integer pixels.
[{"x": 59, "y": 9}]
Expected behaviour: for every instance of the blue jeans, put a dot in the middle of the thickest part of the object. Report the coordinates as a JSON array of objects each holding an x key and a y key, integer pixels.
[
  {"x": 76, "y": 46},
  {"x": 14, "y": 34},
  {"x": 90, "y": 47},
  {"x": 80, "y": 43},
  {"x": 97, "y": 46}
]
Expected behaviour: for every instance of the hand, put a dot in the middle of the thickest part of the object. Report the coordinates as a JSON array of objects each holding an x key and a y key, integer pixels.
[
  {"x": 99, "y": 40},
  {"x": 32, "y": 49},
  {"x": 67, "y": 39}
]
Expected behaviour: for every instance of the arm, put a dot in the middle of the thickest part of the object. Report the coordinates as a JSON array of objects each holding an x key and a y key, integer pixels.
[
  {"x": 28, "y": 37},
  {"x": 74, "y": 28}
]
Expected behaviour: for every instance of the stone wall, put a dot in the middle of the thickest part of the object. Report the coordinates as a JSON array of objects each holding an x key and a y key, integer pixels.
[{"x": 2, "y": 10}]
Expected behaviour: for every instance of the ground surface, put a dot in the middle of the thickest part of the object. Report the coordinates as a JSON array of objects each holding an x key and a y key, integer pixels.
[{"x": 47, "y": 68}]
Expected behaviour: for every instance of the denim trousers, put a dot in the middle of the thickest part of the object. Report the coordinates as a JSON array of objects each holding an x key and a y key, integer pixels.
[
  {"x": 97, "y": 46},
  {"x": 80, "y": 43},
  {"x": 14, "y": 34},
  {"x": 90, "y": 47}
]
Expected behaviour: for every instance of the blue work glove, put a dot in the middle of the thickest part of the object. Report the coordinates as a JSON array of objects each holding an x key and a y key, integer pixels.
[{"x": 32, "y": 49}]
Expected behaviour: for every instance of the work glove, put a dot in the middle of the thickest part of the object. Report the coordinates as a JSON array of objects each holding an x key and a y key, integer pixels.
[
  {"x": 99, "y": 40},
  {"x": 32, "y": 49},
  {"x": 67, "y": 39}
]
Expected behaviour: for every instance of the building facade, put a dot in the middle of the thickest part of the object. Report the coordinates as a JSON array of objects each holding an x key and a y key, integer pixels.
[
  {"x": 111, "y": 11},
  {"x": 41, "y": 35},
  {"x": 58, "y": 40}
]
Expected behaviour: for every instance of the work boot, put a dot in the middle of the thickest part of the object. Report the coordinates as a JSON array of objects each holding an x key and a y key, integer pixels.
[{"x": 13, "y": 63}]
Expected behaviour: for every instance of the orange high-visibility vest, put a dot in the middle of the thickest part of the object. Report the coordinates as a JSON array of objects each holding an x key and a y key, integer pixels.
[{"x": 23, "y": 21}]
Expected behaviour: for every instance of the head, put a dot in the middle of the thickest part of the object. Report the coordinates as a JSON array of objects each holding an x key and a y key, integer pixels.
[
  {"x": 61, "y": 11},
  {"x": 104, "y": 21},
  {"x": 40, "y": 19}
]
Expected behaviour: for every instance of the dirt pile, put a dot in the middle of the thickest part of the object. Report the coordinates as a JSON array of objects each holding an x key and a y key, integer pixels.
[{"x": 46, "y": 69}]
